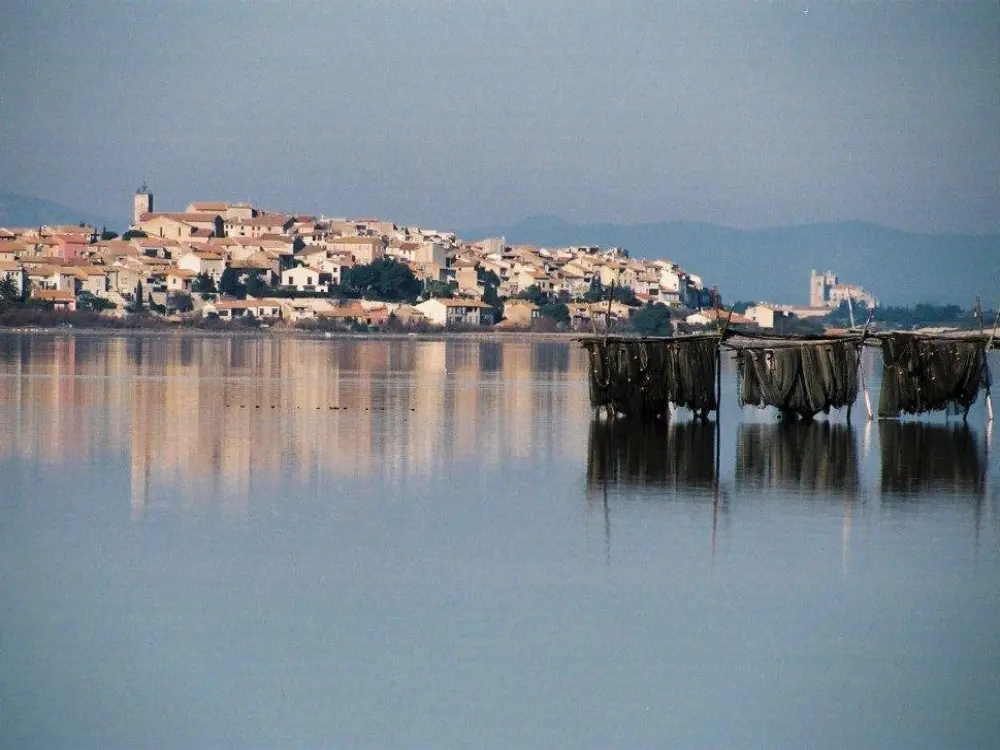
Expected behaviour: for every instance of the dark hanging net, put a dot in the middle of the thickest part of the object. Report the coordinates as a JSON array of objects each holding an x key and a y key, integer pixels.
[
  {"x": 923, "y": 375},
  {"x": 802, "y": 379},
  {"x": 642, "y": 378}
]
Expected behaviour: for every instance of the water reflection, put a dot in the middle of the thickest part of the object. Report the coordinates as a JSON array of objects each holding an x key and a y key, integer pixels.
[
  {"x": 201, "y": 419},
  {"x": 634, "y": 452},
  {"x": 810, "y": 457},
  {"x": 920, "y": 458}
]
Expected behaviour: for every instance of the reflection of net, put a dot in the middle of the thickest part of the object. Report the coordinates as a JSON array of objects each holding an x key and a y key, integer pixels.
[
  {"x": 922, "y": 375},
  {"x": 803, "y": 379},
  {"x": 643, "y": 378},
  {"x": 919, "y": 457},
  {"x": 794, "y": 455},
  {"x": 634, "y": 452}
]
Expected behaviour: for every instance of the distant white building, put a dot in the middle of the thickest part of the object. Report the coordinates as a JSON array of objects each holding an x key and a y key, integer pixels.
[{"x": 825, "y": 290}]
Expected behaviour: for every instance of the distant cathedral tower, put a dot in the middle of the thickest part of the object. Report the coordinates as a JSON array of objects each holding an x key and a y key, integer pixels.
[{"x": 143, "y": 204}]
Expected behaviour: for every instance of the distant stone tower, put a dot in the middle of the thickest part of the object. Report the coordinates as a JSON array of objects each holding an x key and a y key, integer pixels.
[
  {"x": 820, "y": 285},
  {"x": 143, "y": 204}
]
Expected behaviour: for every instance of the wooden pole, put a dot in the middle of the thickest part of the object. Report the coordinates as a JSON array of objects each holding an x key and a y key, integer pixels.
[
  {"x": 861, "y": 367},
  {"x": 986, "y": 362}
]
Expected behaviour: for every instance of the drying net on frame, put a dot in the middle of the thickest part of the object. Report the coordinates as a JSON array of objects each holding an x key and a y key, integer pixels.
[
  {"x": 643, "y": 378},
  {"x": 802, "y": 379},
  {"x": 922, "y": 375}
]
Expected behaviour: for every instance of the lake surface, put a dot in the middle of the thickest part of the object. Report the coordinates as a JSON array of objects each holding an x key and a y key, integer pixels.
[{"x": 256, "y": 542}]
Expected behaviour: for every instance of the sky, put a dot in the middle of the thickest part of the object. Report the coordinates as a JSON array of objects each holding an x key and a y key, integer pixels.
[{"x": 465, "y": 113}]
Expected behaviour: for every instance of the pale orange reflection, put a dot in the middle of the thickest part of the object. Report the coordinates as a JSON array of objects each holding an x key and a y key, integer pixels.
[{"x": 203, "y": 418}]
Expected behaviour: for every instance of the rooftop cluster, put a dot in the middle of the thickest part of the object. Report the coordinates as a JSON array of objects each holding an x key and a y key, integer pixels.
[{"x": 229, "y": 261}]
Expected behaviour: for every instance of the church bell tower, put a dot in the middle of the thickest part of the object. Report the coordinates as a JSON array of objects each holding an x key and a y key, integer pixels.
[{"x": 143, "y": 204}]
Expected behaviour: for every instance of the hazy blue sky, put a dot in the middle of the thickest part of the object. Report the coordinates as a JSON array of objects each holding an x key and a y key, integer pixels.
[{"x": 455, "y": 114}]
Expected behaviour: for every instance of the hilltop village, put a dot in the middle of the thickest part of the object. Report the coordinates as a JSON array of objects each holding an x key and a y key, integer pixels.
[{"x": 236, "y": 263}]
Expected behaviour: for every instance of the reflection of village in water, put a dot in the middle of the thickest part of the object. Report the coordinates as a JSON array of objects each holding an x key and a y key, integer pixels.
[{"x": 200, "y": 418}]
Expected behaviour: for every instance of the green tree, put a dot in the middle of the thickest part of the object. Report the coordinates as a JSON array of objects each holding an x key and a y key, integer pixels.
[
  {"x": 107, "y": 234},
  {"x": 203, "y": 284},
  {"x": 653, "y": 320},
  {"x": 384, "y": 279},
  {"x": 596, "y": 291},
  {"x": 137, "y": 303},
  {"x": 533, "y": 294},
  {"x": 439, "y": 289},
  {"x": 491, "y": 283},
  {"x": 229, "y": 284},
  {"x": 9, "y": 295},
  {"x": 256, "y": 286},
  {"x": 134, "y": 233},
  {"x": 179, "y": 302},
  {"x": 555, "y": 310}
]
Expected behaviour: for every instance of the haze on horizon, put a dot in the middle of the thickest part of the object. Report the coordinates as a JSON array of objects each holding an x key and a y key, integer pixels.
[{"x": 455, "y": 114}]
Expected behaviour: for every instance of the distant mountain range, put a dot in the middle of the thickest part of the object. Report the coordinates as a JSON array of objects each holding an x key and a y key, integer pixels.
[
  {"x": 899, "y": 268},
  {"x": 27, "y": 211}
]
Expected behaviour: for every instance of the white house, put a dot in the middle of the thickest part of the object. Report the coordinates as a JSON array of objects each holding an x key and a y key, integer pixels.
[
  {"x": 306, "y": 279},
  {"x": 449, "y": 312},
  {"x": 203, "y": 261}
]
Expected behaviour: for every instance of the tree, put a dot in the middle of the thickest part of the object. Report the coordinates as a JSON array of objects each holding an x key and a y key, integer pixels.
[
  {"x": 555, "y": 310},
  {"x": 256, "y": 286},
  {"x": 88, "y": 301},
  {"x": 203, "y": 284},
  {"x": 384, "y": 279},
  {"x": 137, "y": 303},
  {"x": 107, "y": 234},
  {"x": 624, "y": 294},
  {"x": 439, "y": 289},
  {"x": 596, "y": 291},
  {"x": 653, "y": 320},
  {"x": 131, "y": 233},
  {"x": 229, "y": 284},
  {"x": 9, "y": 295},
  {"x": 491, "y": 283},
  {"x": 179, "y": 302},
  {"x": 533, "y": 294}
]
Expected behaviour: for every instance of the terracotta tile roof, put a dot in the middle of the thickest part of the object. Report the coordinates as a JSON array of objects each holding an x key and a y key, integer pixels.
[
  {"x": 267, "y": 220},
  {"x": 458, "y": 302},
  {"x": 193, "y": 217},
  {"x": 52, "y": 295},
  {"x": 354, "y": 240}
]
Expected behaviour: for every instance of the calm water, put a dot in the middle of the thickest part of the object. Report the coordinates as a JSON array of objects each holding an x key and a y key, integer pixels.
[{"x": 295, "y": 543}]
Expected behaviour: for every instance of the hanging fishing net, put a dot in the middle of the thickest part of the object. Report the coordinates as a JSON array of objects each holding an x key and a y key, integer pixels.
[
  {"x": 923, "y": 375},
  {"x": 643, "y": 378},
  {"x": 800, "y": 379}
]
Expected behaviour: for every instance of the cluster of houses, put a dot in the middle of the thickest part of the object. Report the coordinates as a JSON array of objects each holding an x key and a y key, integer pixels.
[{"x": 174, "y": 262}]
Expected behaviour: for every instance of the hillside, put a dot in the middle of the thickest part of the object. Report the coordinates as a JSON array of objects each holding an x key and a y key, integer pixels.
[
  {"x": 900, "y": 268},
  {"x": 27, "y": 211}
]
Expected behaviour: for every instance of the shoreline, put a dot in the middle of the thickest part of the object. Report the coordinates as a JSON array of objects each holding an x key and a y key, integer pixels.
[{"x": 281, "y": 333}]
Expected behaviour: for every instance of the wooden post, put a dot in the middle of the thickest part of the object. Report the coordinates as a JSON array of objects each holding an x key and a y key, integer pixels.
[
  {"x": 861, "y": 368},
  {"x": 986, "y": 363}
]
